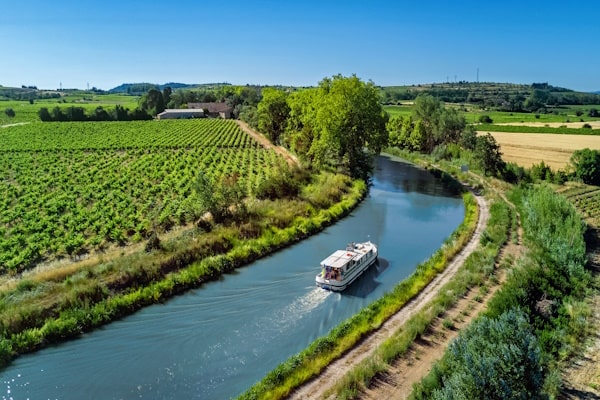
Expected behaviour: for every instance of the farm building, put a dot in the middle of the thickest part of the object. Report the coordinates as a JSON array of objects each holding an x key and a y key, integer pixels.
[
  {"x": 181, "y": 113},
  {"x": 215, "y": 110}
]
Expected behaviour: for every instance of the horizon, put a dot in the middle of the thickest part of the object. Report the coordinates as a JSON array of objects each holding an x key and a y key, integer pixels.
[
  {"x": 61, "y": 44},
  {"x": 193, "y": 85}
]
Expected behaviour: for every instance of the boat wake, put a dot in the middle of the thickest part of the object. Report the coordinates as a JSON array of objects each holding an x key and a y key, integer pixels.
[{"x": 286, "y": 318}]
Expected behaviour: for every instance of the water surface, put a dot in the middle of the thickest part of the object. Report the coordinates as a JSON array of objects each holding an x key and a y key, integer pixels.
[{"x": 216, "y": 341}]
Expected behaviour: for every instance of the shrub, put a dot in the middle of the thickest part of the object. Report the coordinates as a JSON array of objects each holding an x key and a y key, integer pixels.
[
  {"x": 494, "y": 358},
  {"x": 485, "y": 119}
]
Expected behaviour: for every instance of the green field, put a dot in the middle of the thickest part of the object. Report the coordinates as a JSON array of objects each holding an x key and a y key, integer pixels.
[
  {"x": 472, "y": 114},
  {"x": 70, "y": 188},
  {"x": 26, "y": 112}
]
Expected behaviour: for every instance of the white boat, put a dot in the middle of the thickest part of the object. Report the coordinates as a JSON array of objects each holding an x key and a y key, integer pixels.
[{"x": 342, "y": 268}]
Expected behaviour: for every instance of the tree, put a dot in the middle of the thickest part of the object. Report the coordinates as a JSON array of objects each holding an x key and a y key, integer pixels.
[
  {"x": 10, "y": 112},
  {"x": 273, "y": 112},
  {"x": 593, "y": 113},
  {"x": 300, "y": 128},
  {"x": 152, "y": 102},
  {"x": 166, "y": 94},
  {"x": 494, "y": 359},
  {"x": 44, "y": 114},
  {"x": 349, "y": 125},
  {"x": 220, "y": 197},
  {"x": 586, "y": 163},
  {"x": 439, "y": 125},
  {"x": 487, "y": 152}
]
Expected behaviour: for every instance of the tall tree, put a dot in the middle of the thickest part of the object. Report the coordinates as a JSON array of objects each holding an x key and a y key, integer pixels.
[
  {"x": 487, "y": 151},
  {"x": 349, "y": 124},
  {"x": 273, "y": 112},
  {"x": 152, "y": 102}
]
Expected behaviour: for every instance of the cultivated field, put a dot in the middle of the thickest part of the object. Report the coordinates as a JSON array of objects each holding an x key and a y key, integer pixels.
[
  {"x": 555, "y": 150},
  {"x": 77, "y": 187}
]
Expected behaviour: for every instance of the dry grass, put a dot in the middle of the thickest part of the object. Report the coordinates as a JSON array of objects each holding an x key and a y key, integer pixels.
[{"x": 526, "y": 149}]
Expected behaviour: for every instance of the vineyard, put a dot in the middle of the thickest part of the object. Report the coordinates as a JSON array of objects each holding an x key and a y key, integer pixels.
[
  {"x": 71, "y": 188},
  {"x": 586, "y": 199}
]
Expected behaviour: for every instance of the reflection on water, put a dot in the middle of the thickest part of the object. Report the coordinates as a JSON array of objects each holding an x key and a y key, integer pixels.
[
  {"x": 216, "y": 341},
  {"x": 389, "y": 177}
]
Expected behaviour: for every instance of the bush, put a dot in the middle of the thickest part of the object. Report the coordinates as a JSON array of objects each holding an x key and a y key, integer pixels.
[
  {"x": 485, "y": 119},
  {"x": 10, "y": 112},
  {"x": 494, "y": 359}
]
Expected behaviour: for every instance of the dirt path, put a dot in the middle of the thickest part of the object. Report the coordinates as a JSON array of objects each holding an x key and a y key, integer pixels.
[
  {"x": 15, "y": 124},
  {"x": 264, "y": 142},
  {"x": 319, "y": 386}
]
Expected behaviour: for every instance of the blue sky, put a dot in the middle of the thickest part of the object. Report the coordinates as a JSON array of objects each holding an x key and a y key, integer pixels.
[{"x": 109, "y": 42}]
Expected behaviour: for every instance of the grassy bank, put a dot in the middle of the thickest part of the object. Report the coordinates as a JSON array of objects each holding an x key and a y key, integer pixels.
[
  {"x": 548, "y": 286},
  {"x": 62, "y": 303},
  {"x": 477, "y": 269},
  {"x": 301, "y": 367}
]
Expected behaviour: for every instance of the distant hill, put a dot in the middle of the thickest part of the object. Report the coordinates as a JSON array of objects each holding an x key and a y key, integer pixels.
[
  {"x": 502, "y": 96},
  {"x": 143, "y": 87}
]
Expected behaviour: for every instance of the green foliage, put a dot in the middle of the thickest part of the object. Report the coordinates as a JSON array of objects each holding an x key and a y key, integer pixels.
[
  {"x": 487, "y": 152},
  {"x": 280, "y": 183},
  {"x": 152, "y": 102},
  {"x": 338, "y": 124},
  {"x": 485, "y": 119},
  {"x": 10, "y": 113},
  {"x": 79, "y": 187},
  {"x": 586, "y": 163},
  {"x": 273, "y": 112},
  {"x": 494, "y": 358},
  {"x": 223, "y": 198},
  {"x": 553, "y": 224}
]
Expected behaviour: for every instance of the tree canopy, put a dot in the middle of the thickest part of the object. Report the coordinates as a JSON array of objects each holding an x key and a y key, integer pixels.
[
  {"x": 587, "y": 166},
  {"x": 338, "y": 124}
]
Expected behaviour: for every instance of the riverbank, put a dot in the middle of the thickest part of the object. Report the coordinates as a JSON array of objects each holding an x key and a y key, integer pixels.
[
  {"x": 314, "y": 364},
  {"x": 58, "y": 305}
]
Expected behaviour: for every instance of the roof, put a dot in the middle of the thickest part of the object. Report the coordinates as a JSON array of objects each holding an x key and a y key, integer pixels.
[
  {"x": 339, "y": 258},
  {"x": 211, "y": 107},
  {"x": 182, "y": 111}
]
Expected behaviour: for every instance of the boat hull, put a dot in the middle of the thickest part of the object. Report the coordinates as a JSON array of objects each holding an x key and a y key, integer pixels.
[{"x": 340, "y": 285}]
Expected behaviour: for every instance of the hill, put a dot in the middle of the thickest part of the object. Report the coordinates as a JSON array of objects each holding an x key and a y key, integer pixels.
[
  {"x": 143, "y": 87},
  {"x": 502, "y": 96}
]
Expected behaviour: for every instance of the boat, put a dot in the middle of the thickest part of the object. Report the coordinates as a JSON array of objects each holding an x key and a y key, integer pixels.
[{"x": 343, "y": 267}]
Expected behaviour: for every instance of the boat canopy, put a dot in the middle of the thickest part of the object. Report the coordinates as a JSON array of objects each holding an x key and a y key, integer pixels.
[{"x": 338, "y": 259}]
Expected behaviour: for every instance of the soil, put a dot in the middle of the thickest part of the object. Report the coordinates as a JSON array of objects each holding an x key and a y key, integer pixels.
[
  {"x": 397, "y": 382},
  {"x": 264, "y": 142}
]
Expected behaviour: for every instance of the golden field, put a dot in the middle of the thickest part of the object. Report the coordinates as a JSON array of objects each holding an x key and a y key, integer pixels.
[{"x": 555, "y": 150}]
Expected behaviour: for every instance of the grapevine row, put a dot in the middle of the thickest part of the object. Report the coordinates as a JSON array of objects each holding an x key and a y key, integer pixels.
[{"x": 77, "y": 193}]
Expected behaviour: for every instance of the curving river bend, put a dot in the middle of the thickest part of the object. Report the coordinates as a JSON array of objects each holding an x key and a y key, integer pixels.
[{"x": 216, "y": 341}]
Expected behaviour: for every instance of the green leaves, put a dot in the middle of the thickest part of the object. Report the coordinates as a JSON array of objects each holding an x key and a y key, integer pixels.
[{"x": 494, "y": 359}]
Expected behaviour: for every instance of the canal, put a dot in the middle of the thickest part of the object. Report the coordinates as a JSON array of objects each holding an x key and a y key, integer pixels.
[{"x": 216, "y": 341}]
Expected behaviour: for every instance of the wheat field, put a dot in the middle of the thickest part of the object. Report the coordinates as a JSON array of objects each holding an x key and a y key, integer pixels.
[{"x": 555, "y": 150}]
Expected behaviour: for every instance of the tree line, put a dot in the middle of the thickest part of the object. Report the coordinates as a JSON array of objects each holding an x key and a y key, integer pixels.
[
  {"x": 502, "y": 97},
  {"x": 70, "y": 114}
]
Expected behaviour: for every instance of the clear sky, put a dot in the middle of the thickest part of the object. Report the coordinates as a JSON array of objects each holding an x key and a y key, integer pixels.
[{"x": 104, "y": 43}]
